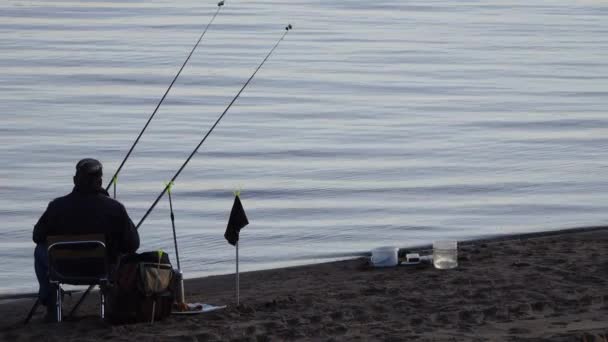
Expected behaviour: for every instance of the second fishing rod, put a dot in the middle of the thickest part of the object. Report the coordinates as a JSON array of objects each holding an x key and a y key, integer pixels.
[
  {"x": 114, "y": 178},
  {"x": 179, "y": 171}
]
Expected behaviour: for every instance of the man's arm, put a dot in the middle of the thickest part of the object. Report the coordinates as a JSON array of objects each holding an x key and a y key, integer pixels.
[
  {"x": 130, "y": 237},
  {"x": 42, "y": 227}
]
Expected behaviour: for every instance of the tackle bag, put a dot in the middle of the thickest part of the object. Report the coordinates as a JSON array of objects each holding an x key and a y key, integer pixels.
[{"x": 143, "y": 289}]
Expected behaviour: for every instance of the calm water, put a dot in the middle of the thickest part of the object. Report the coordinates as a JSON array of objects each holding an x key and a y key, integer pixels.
[{"x": 375, "y": 122}]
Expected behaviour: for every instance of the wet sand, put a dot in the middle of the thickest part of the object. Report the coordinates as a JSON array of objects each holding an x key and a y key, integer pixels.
[{"x": 537, "y": 288}]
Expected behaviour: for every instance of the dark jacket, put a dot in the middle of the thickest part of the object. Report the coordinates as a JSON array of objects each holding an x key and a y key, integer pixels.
[{"x": 86, "y": 212}]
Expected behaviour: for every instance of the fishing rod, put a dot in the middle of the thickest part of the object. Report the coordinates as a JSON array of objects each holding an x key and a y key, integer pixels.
[
  {"x": 114, "y": 178},
  {"x": 287, "y": 28},
  {"x": 172, "y": 216}
]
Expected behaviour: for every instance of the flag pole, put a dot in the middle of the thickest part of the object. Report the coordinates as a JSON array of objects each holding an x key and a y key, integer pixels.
[
  {"x": 237, "y": 220},
  {"x": 237, "y": 274}
]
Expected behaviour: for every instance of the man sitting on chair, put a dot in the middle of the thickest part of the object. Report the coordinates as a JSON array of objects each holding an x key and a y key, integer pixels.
[{"x": 88, "y": 209}]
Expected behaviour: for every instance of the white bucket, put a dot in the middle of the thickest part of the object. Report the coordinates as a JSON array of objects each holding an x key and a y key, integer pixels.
[{"x": 385, "y": 256}]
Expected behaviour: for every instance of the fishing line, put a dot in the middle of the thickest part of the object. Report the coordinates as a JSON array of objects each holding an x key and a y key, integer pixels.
[
  {"x": 115, "y": 177},
  {"x": 287, "y": 28}
]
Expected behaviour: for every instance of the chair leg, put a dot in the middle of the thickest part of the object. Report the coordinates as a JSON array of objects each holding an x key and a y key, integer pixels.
[
  {"x": 102, "y": 312},
  {"x": 32, "y": 311},
  {"x": 58, "y": 303},
  {"x": 103, "y": 289}
]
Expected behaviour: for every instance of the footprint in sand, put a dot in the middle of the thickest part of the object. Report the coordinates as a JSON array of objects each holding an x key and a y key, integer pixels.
[
  {"x": 520, "y": 310},
  {"x": 361, "y": 315},
  {"x": 204, "y": 337},
  {"x": 471, "y": 316},
  {"x": 337, "y": 315},
  {"x": 347, "y": 295},
  {"x": 560, "y": 323},
  {"x": 294, "y": 321},
  {"x": 262, "y": 338},
  {"x": 315, "y": 319},
  {"x": 538, "y": 306},
  {"x": 519, "y": 331},
  {"x": 272, "y": 325}
]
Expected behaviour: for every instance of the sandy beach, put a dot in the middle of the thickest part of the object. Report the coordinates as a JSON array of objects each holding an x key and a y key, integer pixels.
[{"x": 536, "y": 288}]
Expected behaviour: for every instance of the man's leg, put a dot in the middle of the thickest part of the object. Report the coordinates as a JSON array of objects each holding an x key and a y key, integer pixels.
[{"x": 41, "y": 266}]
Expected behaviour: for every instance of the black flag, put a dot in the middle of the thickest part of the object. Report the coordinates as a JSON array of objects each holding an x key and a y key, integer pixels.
[{"x": 236, "y": 222}]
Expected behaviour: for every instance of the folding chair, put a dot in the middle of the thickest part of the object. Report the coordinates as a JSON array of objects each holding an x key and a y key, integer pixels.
[{"x": 78, "y": 260}]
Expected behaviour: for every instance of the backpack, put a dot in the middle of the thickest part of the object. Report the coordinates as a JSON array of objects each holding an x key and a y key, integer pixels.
[{"x": 143, "y": 289}]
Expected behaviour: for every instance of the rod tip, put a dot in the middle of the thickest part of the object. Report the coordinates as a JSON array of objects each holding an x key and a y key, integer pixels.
[
  {"x": 288, "y": 27},
  {"x": 220, "y": 4}
]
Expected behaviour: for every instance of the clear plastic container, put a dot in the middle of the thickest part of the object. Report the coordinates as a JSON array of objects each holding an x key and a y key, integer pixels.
[{"x": 445, "y": 254}]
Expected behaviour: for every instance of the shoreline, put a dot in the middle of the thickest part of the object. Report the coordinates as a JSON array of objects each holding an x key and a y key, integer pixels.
[
  {"x": 545, "y": 287},
  {"x": 349, "y": 256}
]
